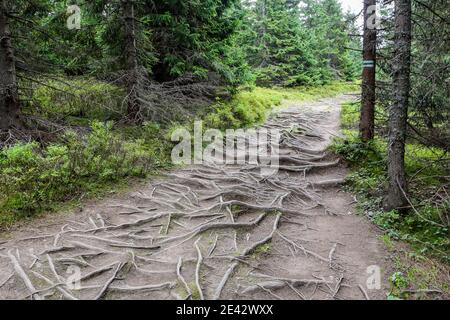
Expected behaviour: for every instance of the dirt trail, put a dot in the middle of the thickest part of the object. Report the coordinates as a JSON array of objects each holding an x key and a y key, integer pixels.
[{"x": 212, "y": 232}]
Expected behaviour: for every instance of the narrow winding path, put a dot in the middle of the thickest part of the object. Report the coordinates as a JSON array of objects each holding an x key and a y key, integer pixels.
[{"x": 212, "y": 232}]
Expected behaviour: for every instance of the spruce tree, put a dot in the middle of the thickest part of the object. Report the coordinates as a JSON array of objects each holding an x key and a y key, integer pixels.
[{"x": 279, "y": 49}]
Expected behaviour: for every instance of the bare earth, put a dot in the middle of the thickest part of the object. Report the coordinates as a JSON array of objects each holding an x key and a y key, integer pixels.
[{"x": 212, "y": 232}]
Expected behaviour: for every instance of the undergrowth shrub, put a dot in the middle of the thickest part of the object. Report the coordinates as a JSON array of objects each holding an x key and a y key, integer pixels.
[
  {"x": 77, "y": 100},
  {"x": 32, "y": 178}
]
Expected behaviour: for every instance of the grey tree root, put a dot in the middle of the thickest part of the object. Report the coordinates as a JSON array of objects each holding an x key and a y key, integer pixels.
[
  {"x": 21, "y": 273},
  {"x": 197, "y": 269},
  {"x": 181, "y": 278},
  {"x": 105, "y": 287},
  {"x": 195, "y": 199},
  {"x": 247, "y": 251}
]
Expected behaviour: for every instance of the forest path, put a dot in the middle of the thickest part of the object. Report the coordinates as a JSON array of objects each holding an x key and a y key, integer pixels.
[{"x": 212, "y": 232}]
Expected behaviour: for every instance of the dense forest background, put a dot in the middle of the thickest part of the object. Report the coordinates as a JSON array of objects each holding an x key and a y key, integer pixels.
[
  {"x": 94, "y": 102},
  {"x": 204, "y": 48},
  {"x": 84, "y": 108}
]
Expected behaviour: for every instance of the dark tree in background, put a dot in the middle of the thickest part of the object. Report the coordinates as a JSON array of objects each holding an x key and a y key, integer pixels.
[
  {"x": 9, "y": 101},
  {"x": 367, "y": 121},
  {"x": 171, "y": 57},
  {"x": 298, "y": 42},
  {"x": 131, "y": 56},
  {"x": 398, "y": 111},
  {"x": 430, "y": 77}
]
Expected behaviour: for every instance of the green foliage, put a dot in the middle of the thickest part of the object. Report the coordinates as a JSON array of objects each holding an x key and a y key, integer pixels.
[
  {"x": 174, "y": 38},
  {"x": 33, "y": 178},
  {"x": 77, "y": 100},
  {"x": 350, "y": 115},
  {"x": 204, "y": 27},
  {"x": 293, "y": 42},
  {"x": 287, "y": 42},
  {"x": 415, "y": 273},
  {"x": 398, "y": 280},
  {"x": 104, "y": 155},
  {"x": 368, "y": 180},
  {"x": 356, "y": 151}
]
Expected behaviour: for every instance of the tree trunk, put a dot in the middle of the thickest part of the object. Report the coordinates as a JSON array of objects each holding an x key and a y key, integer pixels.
[
  {"x": 367, "y": 120},
  {"x": 9, "y": 100},
  {"x": 398, "y": 112},
  {"x": 131, "y": 61}
]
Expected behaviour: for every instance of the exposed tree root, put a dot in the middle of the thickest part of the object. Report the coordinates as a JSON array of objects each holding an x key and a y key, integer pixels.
[
  {"x": 181, "y": 279},
  {"x": 246, "y": 252},
  {"x": 197, "y": 269},
  {"x": 21, "y": 273},
  {"x": 151, "y": 236}
]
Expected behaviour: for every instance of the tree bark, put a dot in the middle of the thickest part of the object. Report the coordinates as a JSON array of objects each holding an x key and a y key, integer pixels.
[
  {"x": 398, "y": 112},
  {"x": 131, "y": 61},
  {"x": 9, "y": 99},
  {"x": 367, "y": 120}
]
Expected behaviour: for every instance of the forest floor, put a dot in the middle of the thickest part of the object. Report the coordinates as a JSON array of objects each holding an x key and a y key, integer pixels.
[{"x": 213, "y": 232}]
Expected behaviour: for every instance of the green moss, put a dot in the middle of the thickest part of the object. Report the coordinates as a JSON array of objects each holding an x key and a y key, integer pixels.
[
  {"x": 194, "y": 290},
  {"x": 387, "y": 241},
  {"x": 265, "y": 248}
]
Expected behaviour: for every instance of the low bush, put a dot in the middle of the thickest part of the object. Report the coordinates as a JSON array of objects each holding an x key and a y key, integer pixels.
[{"x": 32, "y": 178}]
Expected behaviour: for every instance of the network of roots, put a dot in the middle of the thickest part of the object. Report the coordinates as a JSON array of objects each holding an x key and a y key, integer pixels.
[{"x": 193, "y": 235}]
